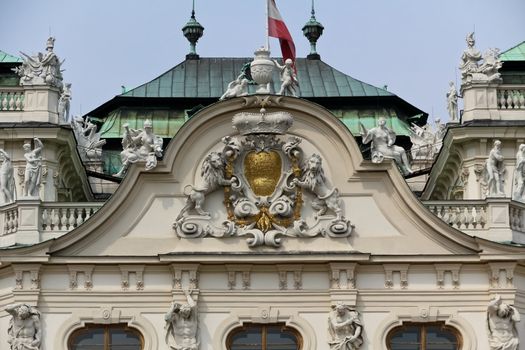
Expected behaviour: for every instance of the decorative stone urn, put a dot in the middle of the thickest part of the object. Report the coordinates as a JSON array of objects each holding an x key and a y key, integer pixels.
[{"x": 262, "y": 70}]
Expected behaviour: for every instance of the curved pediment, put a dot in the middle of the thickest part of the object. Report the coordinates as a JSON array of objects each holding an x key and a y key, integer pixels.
[{"x": 240, "y": 180}]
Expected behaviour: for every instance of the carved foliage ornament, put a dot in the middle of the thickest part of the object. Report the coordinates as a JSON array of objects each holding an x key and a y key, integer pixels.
[{"x": 263, "y": 177}]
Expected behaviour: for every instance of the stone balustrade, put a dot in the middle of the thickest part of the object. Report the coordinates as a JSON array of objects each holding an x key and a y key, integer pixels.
[
  {"x": 511, "y": 97},
  {"x": 12, "y": 99},
  {"x": 463, "y": 215},
  {"x": 63, "y": 217},
  {"x": 30, "y": 221},
  {"x": 497, "y": 219}
]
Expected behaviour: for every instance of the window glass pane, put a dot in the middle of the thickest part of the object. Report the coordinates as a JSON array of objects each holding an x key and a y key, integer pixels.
[
  {"x": 250, "y": 339},
  {"x": 92, "y": 339},
  {"x": 279, "y": 339},
  {"x": 406, "y": 338},
  {"x": 439, "y": 338},
  {"x": 121, "y": 339}
]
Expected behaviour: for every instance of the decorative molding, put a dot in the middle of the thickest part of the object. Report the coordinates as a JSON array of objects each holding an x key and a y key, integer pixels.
[
  {"x": 264, "y": 314},
  {"x": 138, "y": 270},
  {"x": 494, "y": 274},
  {"x": 107, "y": 314},
  {"x": 181, "y": 270},
  {"x": 244, "y": 270},
  {"x": 283, "y": 271},
  {"x": 335, "y": 275},
  {"x": 34, "y": 272},
  {"x": 441, "y": 269},
  {"x": 403, "y": 273},
  {"x": 87, "y": 270}
]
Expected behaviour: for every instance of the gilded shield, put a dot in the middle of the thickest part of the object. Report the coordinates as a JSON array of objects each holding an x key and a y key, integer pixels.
[{"x": 263, "y": 171}]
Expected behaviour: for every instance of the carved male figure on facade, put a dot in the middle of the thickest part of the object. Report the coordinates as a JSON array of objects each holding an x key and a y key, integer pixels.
[
  {"x": 383, "y": 139},
  {"x": 495, "y": 171},
  {"x": 518, "y": 191},
  {"x": 25, "y": 330},
  {"x": 182, "y": 325},
  {"x": 344, "y": 328},
  {"x": 452, "y": 102},
  {"x": 33, "y": 171},
  {"x": 501, "y": 324},
  {"x": 7, "y": 180},
  {"x": 64, "y": 103},
  {"x": 140, "y": 145},
  {"x": 289, "y": 81}
]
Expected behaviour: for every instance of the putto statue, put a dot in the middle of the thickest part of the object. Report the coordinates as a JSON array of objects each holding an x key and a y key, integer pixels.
[
  {"x": 383, "y": 139},
  {"x": 495, "y": 171},
  {"x": 64, "y": 104},
  {"x": 472, "y": 71},
  {"x": 452, "y": 102},
  {"x": 41, "y": 69},
  {"x": 33, "y": 172},
  {"x": 289, "y": 81},
  {"x": 25, "y": 330},
  {"x": 140, "y": 145},
  {"x": 518, "y": 193},
  {"x": 501, "y": 324},
  {"x": 7, "y": 179},
  {"x": 182, "y": 325},
  {"x": 344, "y": 328},
  {"x": 89, "y": 144}
]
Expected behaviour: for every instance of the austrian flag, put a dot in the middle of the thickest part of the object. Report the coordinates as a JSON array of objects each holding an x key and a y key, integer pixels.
[{"x": 277, "y": 29}]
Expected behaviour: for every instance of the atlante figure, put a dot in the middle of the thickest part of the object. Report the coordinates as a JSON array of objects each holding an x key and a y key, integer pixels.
[
  {"x": 182, "y": 325},
  {"x": 501, "y": 324},
  {"x": 25, "y": 331},
  {"x": 344, "y": 328}
]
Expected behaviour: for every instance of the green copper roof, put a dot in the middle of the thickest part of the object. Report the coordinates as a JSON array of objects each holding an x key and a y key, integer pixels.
[
  {"x": 517, "y": 53},
  {"x": 7, "y": 58},
  {"x": 209, "y": 77}
]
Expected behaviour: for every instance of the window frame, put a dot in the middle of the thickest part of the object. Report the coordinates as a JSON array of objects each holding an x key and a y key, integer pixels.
[
  {"x": 263, "y": 327},
  {"x": 106, "y": 329},
  {"x": 423, "y": 332}
]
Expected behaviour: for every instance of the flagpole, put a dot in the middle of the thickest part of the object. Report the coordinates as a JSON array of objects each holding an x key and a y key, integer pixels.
[{"x": 267, "y": 27}]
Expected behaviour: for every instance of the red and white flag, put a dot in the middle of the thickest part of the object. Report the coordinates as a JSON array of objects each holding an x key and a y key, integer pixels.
[{"x": 277, "y": 29}]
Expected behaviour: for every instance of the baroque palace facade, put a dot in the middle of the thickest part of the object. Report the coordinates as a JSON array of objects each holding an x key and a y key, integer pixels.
[{"x": 203, "y": 210}]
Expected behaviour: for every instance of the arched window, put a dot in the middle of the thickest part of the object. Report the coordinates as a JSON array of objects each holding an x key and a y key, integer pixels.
[
  {"x": 264, "y": 337},
  {"x": 424, "y": 336},
  {"x": 106, "y": 337}
]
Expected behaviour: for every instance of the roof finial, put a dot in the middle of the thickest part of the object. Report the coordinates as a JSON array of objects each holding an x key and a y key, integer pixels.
[
  {"x": 312, "y": 30},
  {"x": 193, "y": 31}
]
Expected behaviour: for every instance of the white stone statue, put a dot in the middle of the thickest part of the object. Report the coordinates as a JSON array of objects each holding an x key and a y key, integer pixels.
[
  {"x": 236, "y": 88},
  {"x": 423, "y": 141},
  {"x": 41, "y": 69},
  {"x": 213, "y": 178},
  {"x": 64, "y": 104},
  {"x": 314, "y": 180},
  {"x": 89, "y": 144},
  {"x": 140, "y": 145},
  {"x": 495, "y": 171},
  {"x": 518, "y": 193},
  {"x": 25, "y": 330},
  {"x": 33, "y": 172},
  {"x": 383, "y": 146},
  {"x": 472, "y": 71},
  {"x": 182, "y": 325},
  {"x": 7, "y": 179},
  {"x": 452, "y": 102},
  {"x": 344, "y": 328},
  {"x": 289, "y": 81},
  {"x": 501, "y": 324}
]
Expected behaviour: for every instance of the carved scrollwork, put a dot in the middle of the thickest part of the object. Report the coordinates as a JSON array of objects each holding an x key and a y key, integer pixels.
[{"x": 263, "y": 183}]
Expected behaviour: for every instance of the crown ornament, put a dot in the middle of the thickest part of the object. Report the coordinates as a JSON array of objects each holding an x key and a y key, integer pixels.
[{"x": 262, "y": 123}]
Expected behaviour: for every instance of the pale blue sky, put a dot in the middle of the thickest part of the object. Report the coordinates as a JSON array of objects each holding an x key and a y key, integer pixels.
[{"x": 413, "y": 46}]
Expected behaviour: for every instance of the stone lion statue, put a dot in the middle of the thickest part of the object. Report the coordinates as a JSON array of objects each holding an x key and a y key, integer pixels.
[
  {"x": 314, "y": 180},
  {"x": 212, "y": 173}
]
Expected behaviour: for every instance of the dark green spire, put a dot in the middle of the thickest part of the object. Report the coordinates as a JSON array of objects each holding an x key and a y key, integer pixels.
[
  {"x": 312, "y": 30},
  {"x": 193, "y": 32}
]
